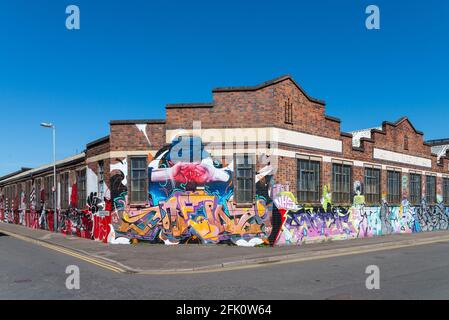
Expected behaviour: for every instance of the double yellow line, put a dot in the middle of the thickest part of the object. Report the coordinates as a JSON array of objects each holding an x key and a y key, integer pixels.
[
  {"x": 363, "y": 249},
  {"x": 72, "y": 253}
]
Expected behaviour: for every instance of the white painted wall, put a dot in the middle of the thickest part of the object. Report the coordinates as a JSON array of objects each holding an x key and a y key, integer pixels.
[{"x": 381, "y": 154}]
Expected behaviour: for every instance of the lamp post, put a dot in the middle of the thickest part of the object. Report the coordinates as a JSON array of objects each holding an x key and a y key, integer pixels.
[{"x": 55, "y": 216}]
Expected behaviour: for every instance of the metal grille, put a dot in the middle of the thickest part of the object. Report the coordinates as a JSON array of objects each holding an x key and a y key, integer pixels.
[
  {"x": 308, "y": 173},
  {"x": 139, "y": 174},
  {"x": 38, "y": 189},
  {"x": 245, "y": 179},
  {"x": 431, "y": 192},
  {"x": 415, "y": 188},
  {"x": 394, "y": 187},
  {"x": 341, "y": 183},
  {"x": 27, "y": 194},
  {"x": 64, "y": 190},
  {"x": 446, "y": 190},
  {"x": 81, "y": 189},
  {"x": 48, "y": 187},
  {"x": 372, "y": 185}
]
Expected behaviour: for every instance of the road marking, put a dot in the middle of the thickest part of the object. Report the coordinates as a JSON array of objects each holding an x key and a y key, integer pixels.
[
  {"x": 69, "y": 252},
  {"x": 349, "y": 251}
]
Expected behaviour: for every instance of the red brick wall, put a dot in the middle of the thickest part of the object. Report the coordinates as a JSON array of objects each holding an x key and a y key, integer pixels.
[{"x": 126, "y": 137}]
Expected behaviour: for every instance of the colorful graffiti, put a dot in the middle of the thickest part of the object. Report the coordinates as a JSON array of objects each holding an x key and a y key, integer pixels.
[
  {"x": 191, "y": 198},
  {"x": 191, "y": 201},
  {"x": 302, "y": 224},
  {"x": 91, "y": 223}
]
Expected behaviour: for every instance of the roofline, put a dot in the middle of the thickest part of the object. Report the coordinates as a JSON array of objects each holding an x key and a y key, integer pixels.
[
  {"x": 190, "y": 105},
  {"x": 267, "y": 84},
  {"x": 395, "y": 124},
  {"x": 12, "y": 174},
  {"x": 97, "y": 142},
  {"x": 438, "y": 142},
  {"x": 78, "y": 158},
  {"x": 331, "y": 118},
  {"x": 143, "y": 121}
]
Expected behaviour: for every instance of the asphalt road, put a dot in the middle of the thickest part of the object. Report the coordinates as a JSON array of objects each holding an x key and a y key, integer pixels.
[{"x": 28, "y": 271}]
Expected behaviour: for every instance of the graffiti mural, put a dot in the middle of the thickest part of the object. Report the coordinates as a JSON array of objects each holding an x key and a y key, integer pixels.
[
  {"x": 191, "y": 200},
  {"x": 190, "y": 197},
  {"x": 302, "y": 224}
]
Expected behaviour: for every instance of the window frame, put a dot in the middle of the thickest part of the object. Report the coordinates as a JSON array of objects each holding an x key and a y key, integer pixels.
[
  {"x": 28, "y": 187},
  {"x": 372, "y": 198},
  {"x": 64, "y": 180},
  {"x": 82, "y": 200},
  {"x": 49, "y": 194},
  {"x": 311, "y": 196},
  {"x": 37, "y": 190},
  {"x": 339, "y": 193},
  {"x": 393, "y": 183},
  {"x": 433, "y": 196},
  {"x": 412, "y": 199},
  {"x": 252, "y": 177},
  {"x": 445, "y": 190},
  {"x": 130, "y": 181}
]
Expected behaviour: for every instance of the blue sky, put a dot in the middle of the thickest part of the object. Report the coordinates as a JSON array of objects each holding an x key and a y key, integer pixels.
[{"x": 131, "y": 58}]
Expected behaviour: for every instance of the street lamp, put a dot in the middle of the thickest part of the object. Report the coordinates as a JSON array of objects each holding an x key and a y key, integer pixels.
[{"x": 55, "y": 218}]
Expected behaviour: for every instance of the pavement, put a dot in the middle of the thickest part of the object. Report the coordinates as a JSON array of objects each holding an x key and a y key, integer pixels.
[{"x": 154, "y": 259}]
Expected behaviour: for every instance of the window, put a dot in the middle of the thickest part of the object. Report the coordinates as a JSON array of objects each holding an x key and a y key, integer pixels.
[
  {"x": 19, "y": 195},
  {"x": 288, "y": 112},
  {"x": 415, "y": 188},
  {"x": 372, "y": 185},
  {"x": 245, "y": 179},
  {"x": 28, "y": 194},
  {"x": 101, "y": 180},
  {"x": 7, "y": 197},
  {"x": 14, "y": 197},
  {"x": 139, "y": 176},
  {"x": 394, "y": 187},
  {"x": 431, "y": 189},
  {"x": 308, "y": 173},
  {"x": 81, "y": 189},
  {"x": 446, "y": 191},
  {"x": 64, "y": 180},
  {"x": 341, "y": 183},
  {"x": 48, "y": 187},
  {"x": 405, "y": 143},
  {"x": 37, "y": 191}
]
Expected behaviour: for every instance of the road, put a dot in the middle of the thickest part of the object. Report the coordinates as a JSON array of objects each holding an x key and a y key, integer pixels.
[{"x": 29, "y": 271}]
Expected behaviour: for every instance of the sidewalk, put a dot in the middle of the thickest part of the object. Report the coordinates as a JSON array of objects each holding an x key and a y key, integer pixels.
[{"x": 154, "y": 259}]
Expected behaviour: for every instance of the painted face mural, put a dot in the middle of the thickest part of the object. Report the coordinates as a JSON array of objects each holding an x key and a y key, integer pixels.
[{"x": 191, "y": 199}]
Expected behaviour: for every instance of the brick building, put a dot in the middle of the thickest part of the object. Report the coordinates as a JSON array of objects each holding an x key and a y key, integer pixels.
[{"x": 261, "y": 164}]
